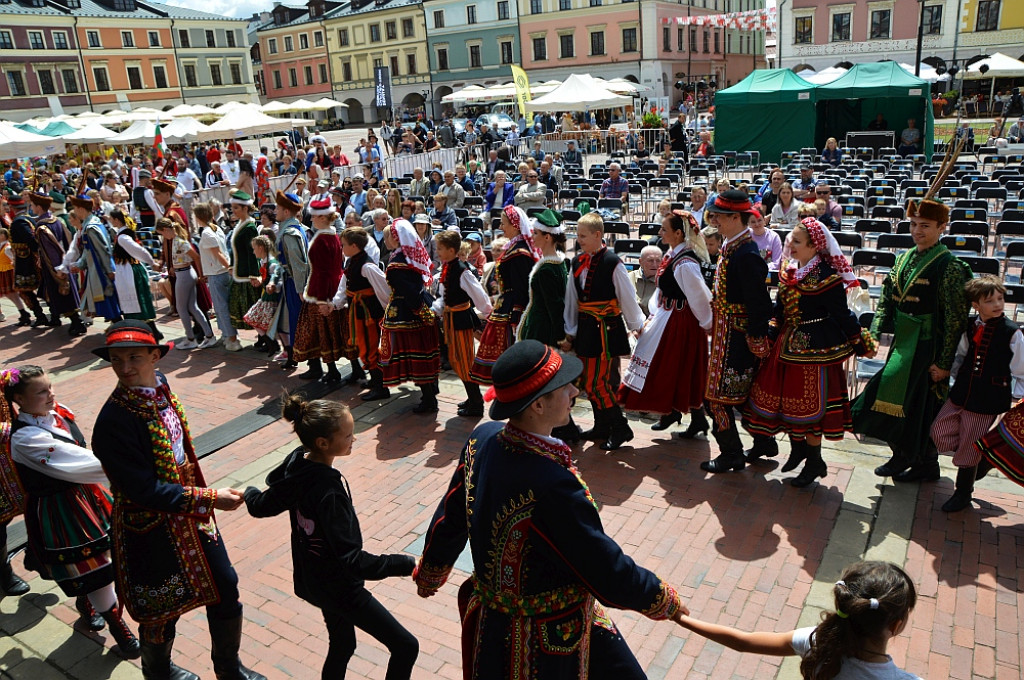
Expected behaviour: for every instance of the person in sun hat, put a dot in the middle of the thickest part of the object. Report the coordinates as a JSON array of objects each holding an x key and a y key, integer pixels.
[
  {"x": 741, "y": 308},
  {"x": 543, "y": 564},
  {"x": 293, "y": 257},
  {"x": 164, "y": 527}
]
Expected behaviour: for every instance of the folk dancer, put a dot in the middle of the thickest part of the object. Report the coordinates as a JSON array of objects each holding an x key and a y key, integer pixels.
[
  {"x": 59, "y": 288},
  {"x": 292, "y": 256},
  {"x": 92, "y": 254},
  {"x": 26, "y": 259}
]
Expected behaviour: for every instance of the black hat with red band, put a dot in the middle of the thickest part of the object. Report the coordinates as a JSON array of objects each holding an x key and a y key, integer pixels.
[
  {"x": 732, "y": 201},
  {"x": 525, "y": 372},
  {"x": 129, "y": 333}
]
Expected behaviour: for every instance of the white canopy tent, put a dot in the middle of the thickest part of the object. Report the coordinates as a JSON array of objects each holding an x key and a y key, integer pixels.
[
  {"x": 325, "y": 103},
  {"x": 822, "y": 77},
  {"x": 181, "y": 130},
  {"x": 245, "y": 123},
  {"x": 190, "y": 110},
  {"x": 579, "y": 92},
  {"x": 137, "y": 133},
  {"x": 277, "y": 107},
  {"x": 999, "y": 66},
  {"x": 15, "y": 143},
  {"x": 93, "y": 133},
  {"x": 928, "y": 72}
]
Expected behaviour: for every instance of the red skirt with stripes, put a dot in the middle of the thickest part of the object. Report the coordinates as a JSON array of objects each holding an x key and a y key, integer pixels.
[
  {"x": 410, "y": 355},
  {"x": 678, "y": 373},
  {"x": 496, "y": 338},
  {"x": 1003, "y": 446}
]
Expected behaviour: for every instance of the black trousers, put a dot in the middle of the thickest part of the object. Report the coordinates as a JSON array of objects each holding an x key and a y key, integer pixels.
[
  {"x": 368, "y": 615},
  {"x": 226, "y": 580},
  {"x": 723, "y": 426}
]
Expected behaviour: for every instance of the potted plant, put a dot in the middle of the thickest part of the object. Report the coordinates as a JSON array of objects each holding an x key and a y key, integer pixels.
[{"x": 652, "y": 119}]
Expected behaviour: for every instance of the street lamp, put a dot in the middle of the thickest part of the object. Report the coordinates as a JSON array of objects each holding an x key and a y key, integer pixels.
[{"x": 428, "y": 95}]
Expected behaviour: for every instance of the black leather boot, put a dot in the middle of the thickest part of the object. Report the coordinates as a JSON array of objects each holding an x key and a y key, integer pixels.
[
  {"x": 620, "y": 432},
  {"x": 332, "y": 376},
  {"x": 157, "y": 665},
  {"x": 698, "y": 425},
  {"x": 40, "y": 315},
  {"x": 357, "y": 376},
  {"x": 126, "y": 640},
  {"x": 602, "y": 426},
  {"x": 764, "y": 446},
  {"x": 731, "y": 458},
  {"x": 983, "y": 467},
  {"x": 289, "y": 363},
  {"x": 473, "y": 407},
  {"x": 226, "y": 636},
  {"x": 922, "y": 471},
  {"x": 89, "y": 613},
  {"x": 797, "y": 454},
  {"x": 894, "y": 466},
  {"x": 377, "y": 390},
  {"x": 24, "y": 318},
  {"x": 10, "y": 583},
  {"x": 428, "y": 400},
  {"x": 665, "y": 422},
  {"x": 315, "y": 370},
  {"x": 961, "y": 497},
  {"x": 814, "y": 467}
]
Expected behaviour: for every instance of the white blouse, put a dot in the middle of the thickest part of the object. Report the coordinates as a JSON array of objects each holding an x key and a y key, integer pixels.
[{"x": 40, "y": 449}]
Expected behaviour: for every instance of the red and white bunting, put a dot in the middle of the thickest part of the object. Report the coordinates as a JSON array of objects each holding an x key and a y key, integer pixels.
[{"x": 752, "y": 20}]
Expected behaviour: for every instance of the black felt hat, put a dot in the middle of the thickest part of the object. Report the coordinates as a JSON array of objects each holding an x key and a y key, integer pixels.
[
  {"x": 129, "y": 333},
  {"x": 527, "y": 371}
]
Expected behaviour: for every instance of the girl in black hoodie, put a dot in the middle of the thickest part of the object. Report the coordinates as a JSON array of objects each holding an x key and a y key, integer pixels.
[{"x": 327, "y": 546}]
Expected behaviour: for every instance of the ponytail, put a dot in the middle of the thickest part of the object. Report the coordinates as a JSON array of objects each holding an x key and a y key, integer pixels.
[{"x": 311, "y": 419}]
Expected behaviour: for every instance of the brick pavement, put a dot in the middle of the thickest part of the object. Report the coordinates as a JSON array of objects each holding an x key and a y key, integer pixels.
[{"x": 745, "y": 549}]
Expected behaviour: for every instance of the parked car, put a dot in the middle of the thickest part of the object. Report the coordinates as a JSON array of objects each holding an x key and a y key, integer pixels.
[{"x": 499, "y": 122}]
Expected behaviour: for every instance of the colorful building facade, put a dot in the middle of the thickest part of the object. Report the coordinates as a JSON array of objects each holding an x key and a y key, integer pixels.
[{"x": 293, "y": 52}]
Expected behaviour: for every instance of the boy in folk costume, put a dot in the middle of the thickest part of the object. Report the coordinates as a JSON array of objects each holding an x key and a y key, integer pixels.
[
  {"x": 741, "y": 308},
  {"x": 292, "y": 246},
  {"x": 924, "y": 305},
  {"x": 988, "y": 376},
  {"x": 365, "y": 290},
  {"x": 319, "y": 332},
  {"x": 131, "y": 278},
  {"x": 53, "y": 239},
  {"x": 600, "y": 307},
  {"x": 460, "y": 291},
  {"x": 244, "y": 263},
  {"x": 26, "y": 259},
  {"x": 92, "y": 253}
]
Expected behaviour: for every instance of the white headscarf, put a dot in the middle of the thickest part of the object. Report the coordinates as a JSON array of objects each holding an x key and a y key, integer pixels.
[
  {"x": 411, "y": 246},
  {"x": 518, "y": 217},
  {"x": 828, "y": 249}
]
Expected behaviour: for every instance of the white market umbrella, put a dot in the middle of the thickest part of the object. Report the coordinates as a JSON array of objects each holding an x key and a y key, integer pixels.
[
  {"x": 245, "y": 123},
  {"x": 823, "y": 77},
  {"x": 579, "y": 92},
  {"x": 325, "y": 103},
  {"x": 15, "y": 143},
  {"x": 999, "y": 66},
  {"x": 181, "y": 130},
  {"x": 93, "y": 133},
  {"x": 278, "y": 107},
  {"x": 137, "y": 133}
]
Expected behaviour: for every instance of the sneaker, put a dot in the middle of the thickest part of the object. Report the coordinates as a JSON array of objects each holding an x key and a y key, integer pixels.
[
  {"x": 186, "y": 344},
  {"x": 208, "y": 342},
  {"x": 233, "y": 345}
]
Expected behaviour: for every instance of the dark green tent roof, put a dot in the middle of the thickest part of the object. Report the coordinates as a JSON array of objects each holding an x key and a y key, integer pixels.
[
  {"x": 768, "y": 86},
  {"x": 869, "y": 81}
]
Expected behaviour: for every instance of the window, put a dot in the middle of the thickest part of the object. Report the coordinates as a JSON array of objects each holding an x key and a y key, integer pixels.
[
  {"x": 666, "y": 39},
  {"x": 707, "y": 41},
  {"x": 154, "y": 38},
  {"x": 94, "y": 38},
  {"x": 6, "y": 42},
  {"x": 718, "y": 42},
  {"x": 536, "y": 6},
  {"x": 988, "y": 15},
  {"x": 60, "y": 40},
  {"x": 564, "y": 5},
  {"x": 470, "y": 14},
  {"x": 932, "y": 19},
  {"x": 346, "y": 71},
  {"x": 393, "y": 65},
  {"x": 597, "y": 44},
  {"x": 135, "y": 78},
  {"x": 127, "y": 39},
  {"x": 211, "y": 40},
  {"x": 35, "y": 40},
  {"x": 506, "y": 52},
  {"x": 410, "y": 61},
  {"x": 803, "y": 32},
  {"x": 880, "y": 20},
  {"x": 629, "y": 40},
  {"x": 681, "y": 39},
  {"x": 474, "y": 56},
  {"x": 323, "y": 72},
  {"x": 540, "y": 49},
  {"x": 74, "y": 4},
  {"x": 160, "y": 77},
  {"x": 70, "y": 81},
  {"x": 231, "y": 38},
  {"x": 438, "y": 18},
  {"x": 377, "y": 63},
  {"x": 192, "y": 81},
  {"x": 99, "y": 74},
  {"x": 841, "y": 27},
  {"x": 307, "y": 73},
  {"x": 318, "y": 39},
  {"x": 728, "y": 43},
  {"x": 16, "y": 83},
  {"x": 124, "y": 5},
  {"x": 442, "y": 59},
  {"x": 693, "y": 39},
  {"x": 46, "y": 82},
  {"x": 391, "y": 30},
  {"x": 408, "y": 29},
  {"x": 343, "y": 37},
  {"x": 293, "y": 78},
  {"x": 215, "y": 76},
  {"x": 183, "y": 38},
  {"x": 374, "y": 32},
  {"x": 289, "y": 44},
  {"x": 272, "y": 45},
  {"x": 303, "y": 41},
  {"x": 503, "y": 10},
  {"x": 566, "y": 49},
  {"x": 595, "y": 3},
  {"x": 277, "y": 80}
]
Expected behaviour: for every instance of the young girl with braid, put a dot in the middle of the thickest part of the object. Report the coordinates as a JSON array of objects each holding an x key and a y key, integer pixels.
[{"x": 873, "y": 601}]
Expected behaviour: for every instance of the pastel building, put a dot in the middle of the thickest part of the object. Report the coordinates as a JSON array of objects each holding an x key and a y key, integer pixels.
[
  {"x": 470, "y": 43},
  {"x": 293, "y": 52}
]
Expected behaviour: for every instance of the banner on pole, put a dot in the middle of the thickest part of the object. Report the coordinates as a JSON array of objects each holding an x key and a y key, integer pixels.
[
  {"x": 382, "y": 87},
  {"x": 522, "y": 82}
]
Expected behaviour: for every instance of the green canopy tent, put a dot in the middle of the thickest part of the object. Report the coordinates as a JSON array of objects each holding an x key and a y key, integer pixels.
[
  {"x": 57, "y": 128},
  {"x": 854, "y": 99},
  {"x": 769, "y": 111}
]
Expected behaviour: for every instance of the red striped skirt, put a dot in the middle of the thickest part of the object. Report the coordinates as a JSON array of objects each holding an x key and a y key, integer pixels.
[
  {"x": 496, "y": 338},
  {"x": 1004, "y": 445},
  {"x": 410, "y": 355},
  {"x": 798, "y": 399}
]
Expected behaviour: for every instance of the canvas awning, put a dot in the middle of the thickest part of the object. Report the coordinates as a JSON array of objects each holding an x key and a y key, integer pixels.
[
  {"x": 15, "y": 143},
  {"x": 579, "y": 92},
  {"x": 55, "y": 128},
  {"x": 93, "y": 133},
  {"x": 182, "y": 130},
  {"x": 139, "y": 132},
  {"x": 245, "y": 123}
]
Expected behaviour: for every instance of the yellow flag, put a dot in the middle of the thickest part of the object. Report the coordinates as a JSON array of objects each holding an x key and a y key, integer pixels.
[{"x": 522, "y": 91}]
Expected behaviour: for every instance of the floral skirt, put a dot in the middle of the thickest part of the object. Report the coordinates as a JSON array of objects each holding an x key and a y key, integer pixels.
[
  {"x": 318, "y": 336},
  {"x": 260, "y": 315},
  {"x": 241, "y": 297},
  {"x": 497, "y": 337},
  {"x": 1003, "y": 445}
]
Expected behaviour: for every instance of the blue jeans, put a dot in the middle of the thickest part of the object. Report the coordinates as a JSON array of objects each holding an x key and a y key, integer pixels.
[{"x": 220, "y": 288}]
